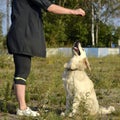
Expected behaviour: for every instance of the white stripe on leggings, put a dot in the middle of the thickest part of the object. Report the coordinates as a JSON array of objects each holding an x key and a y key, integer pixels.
[{"x": 19, "y": 78}]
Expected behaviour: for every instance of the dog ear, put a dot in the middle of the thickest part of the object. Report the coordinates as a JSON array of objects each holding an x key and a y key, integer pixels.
[{"x": 87, "y": 64}]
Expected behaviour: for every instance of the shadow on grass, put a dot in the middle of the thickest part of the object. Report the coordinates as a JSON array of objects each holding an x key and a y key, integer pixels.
[
  {"x": 7, "y": 107},
  {"x": 57, "y": 111}
]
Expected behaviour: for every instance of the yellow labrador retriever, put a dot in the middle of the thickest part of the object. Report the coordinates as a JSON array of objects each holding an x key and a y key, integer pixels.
[{"x": 78, "y": 86}]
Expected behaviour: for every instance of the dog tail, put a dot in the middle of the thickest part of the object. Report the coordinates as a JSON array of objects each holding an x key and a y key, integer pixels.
[{"x": 109, "y": 110}]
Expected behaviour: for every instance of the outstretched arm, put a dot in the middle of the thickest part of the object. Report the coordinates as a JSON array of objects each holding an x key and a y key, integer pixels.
[{"x": 61, "y": 10}]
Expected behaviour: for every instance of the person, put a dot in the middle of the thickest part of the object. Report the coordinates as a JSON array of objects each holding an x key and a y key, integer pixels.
[{"x": 25, "y": 40}]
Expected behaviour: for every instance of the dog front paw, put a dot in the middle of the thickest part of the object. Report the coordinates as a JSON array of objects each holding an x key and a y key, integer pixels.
[
  {"x": 71, "y": 114},
  {"x": 62, "y": 114}
]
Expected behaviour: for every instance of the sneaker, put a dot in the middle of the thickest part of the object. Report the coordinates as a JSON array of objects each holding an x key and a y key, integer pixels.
[{"x": 27, "y": 112}]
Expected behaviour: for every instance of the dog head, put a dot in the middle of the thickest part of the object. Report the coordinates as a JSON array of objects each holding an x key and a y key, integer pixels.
[
  {"x": 79, "y": 60},
  {"x": 80, "y": 54},
  {"x": 78, "y": 50}
]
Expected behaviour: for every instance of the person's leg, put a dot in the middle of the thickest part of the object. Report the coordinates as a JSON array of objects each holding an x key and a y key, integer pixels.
[
  {"x": 20, "y": 94},
  {"x": 22, "y": 69}
]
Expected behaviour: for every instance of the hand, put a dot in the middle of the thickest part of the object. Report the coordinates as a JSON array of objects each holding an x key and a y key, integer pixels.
[{"x": 80, "y": 12}]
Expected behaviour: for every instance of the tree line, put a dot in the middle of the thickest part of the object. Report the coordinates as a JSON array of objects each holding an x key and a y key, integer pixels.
[{"x": 95, "y": 29}]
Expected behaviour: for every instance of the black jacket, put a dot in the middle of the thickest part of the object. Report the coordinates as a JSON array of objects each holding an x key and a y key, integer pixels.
[{"x": 26, "y": 35}]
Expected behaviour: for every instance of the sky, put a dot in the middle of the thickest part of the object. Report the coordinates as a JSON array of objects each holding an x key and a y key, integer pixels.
[
  {"x": 4, "y": 22},
  {"x": 116, "y": 21}
]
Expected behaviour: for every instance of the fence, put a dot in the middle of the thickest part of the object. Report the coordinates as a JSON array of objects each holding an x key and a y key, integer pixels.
[{"x": 91, "y": 52}]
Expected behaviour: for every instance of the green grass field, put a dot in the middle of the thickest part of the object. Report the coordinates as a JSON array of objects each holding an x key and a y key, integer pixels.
[{"x": 45, "y": 90}]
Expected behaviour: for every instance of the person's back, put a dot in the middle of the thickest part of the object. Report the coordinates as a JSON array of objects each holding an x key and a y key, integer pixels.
[{"x": 26, "y": 28}]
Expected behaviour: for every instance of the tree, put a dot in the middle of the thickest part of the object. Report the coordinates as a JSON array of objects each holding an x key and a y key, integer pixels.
[
  {"x": 1, "y": 16},
  {"x": 1, "y": 24},
  {"x": 102, "y": 11},
  {"x": 8, "y": 6},
  {"x": 106, "y": 36},
  {"x": 2, "y": 39},
  {"x": 7, "y": 11},
  {"x": 117, "y": 35},
  {"x": 64, "y": 30},
  {"x": 93, "y": 27}
]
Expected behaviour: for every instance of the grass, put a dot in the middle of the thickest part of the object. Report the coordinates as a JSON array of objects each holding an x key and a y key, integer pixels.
[{"x": 45, "y": 91}]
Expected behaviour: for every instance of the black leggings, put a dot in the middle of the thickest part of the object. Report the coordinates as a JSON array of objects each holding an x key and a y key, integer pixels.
[{"x": 22, "y": 68}]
